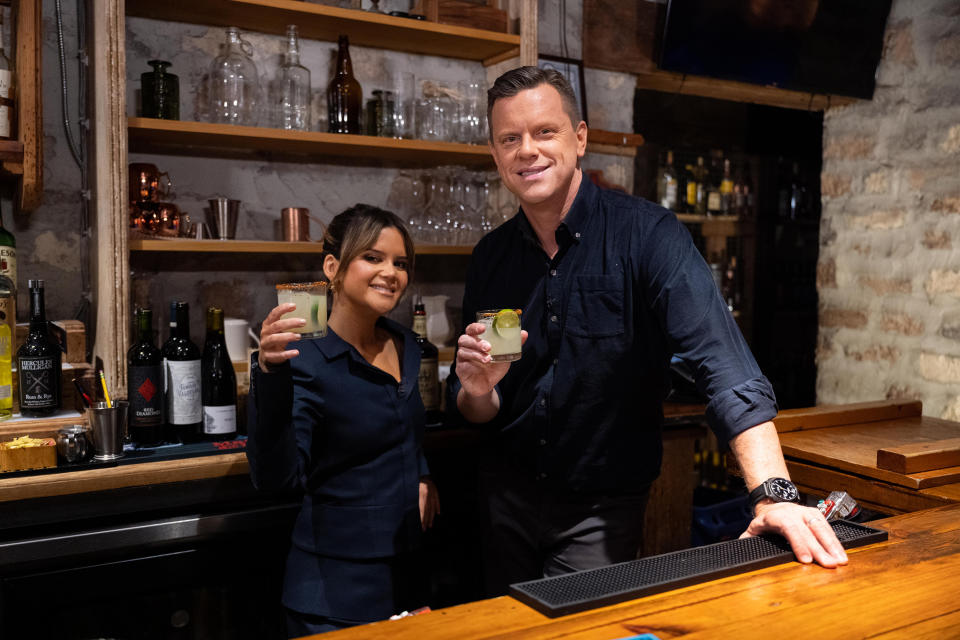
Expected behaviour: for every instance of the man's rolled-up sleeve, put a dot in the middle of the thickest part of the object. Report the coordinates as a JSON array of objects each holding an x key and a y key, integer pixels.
[{"x": 733, "y": 411}]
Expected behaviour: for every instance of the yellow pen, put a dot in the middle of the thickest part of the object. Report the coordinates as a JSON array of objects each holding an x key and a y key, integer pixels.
[{"x": 106, "y": 394}]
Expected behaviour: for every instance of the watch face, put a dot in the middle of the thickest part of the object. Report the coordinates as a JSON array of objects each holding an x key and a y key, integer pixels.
[{"x": 783, "y": 490}]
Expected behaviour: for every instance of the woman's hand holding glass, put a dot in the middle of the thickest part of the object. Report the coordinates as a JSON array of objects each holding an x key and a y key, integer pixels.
[{"x": 275, "y": 334}]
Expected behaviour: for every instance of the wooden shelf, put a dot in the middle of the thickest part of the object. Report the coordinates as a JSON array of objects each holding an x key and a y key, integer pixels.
[
  {"x": 181, "y": 137},
  {"x": 613, "y": 142},
  {"x": 670, "y": 82},
  {"x": 321, "y": 22},
  {"x": 263, "y": 246}
]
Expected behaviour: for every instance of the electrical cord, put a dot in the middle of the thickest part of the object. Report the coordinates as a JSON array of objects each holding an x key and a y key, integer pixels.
[{"x": 74, "y": 150}]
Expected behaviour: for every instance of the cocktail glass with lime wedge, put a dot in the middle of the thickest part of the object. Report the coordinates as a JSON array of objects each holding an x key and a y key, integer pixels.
[
  {"x": 311, "y": 301},
  {"x": 502, "y": 331}
]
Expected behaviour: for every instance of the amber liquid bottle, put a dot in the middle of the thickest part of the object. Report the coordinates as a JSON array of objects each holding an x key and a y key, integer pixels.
[
  {"x": 429, "y": 379},
  {"x": 344, "y": 95}
]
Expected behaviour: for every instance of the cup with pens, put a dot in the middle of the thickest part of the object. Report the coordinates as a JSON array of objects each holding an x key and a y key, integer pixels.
[{"x": 108, "y": 418}]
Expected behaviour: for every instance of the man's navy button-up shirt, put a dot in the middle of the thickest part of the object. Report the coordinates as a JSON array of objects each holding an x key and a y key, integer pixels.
[{"x": 626, "y": 290}]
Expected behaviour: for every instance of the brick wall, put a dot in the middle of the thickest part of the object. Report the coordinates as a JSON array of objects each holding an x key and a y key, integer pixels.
[{"x": 889, "y": 267}]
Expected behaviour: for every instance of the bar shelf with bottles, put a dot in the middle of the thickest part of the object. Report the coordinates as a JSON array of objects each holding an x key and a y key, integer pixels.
[{"x": 712, "y": 194}]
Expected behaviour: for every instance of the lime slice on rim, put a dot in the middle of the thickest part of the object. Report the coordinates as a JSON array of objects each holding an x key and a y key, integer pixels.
[{"x": 505, "y": 321}]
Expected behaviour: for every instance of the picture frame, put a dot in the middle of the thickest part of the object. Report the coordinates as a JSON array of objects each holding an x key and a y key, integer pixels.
[{"x": 572, "y": 70}]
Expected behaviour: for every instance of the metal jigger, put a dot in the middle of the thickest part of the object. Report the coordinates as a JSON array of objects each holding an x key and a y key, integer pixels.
[{"x": 222, "y": 217}]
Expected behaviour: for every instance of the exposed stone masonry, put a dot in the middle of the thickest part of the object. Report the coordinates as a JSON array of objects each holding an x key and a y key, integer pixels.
[{"x": 889, "y": 269}]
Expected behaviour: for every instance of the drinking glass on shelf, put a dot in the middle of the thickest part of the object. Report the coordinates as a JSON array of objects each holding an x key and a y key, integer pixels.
[
  {"x": 472, "y": 113},
  {"x": 502, "y": 331},
  {"x": 311, "y": 301},
  {"x": 403, "y": 104}
]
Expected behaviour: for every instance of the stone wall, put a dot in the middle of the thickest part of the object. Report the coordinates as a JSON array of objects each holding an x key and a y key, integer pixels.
[{"x": 889, "y": 266}]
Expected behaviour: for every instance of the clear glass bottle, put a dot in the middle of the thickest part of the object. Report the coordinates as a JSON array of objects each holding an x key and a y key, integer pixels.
[
  {"x": 292, "y": 87},
  {"x": 7, "y": 105},
  {"x": 667, "y": 184},
  {"x": 234, "y": 83}
]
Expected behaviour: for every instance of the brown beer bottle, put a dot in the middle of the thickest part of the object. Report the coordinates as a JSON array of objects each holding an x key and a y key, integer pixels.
[{"x": 344, "y": 95}]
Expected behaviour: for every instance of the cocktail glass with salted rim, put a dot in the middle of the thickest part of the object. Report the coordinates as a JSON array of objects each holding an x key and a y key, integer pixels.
[
  {"x": 311, "y": 301},
  {"x": 502, "y": 331}
]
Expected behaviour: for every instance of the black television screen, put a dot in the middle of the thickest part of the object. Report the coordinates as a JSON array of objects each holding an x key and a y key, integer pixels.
[{"x": 821, "y": 46}]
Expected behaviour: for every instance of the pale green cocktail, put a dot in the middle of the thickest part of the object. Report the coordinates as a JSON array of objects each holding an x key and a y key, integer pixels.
[
  {"x": 502, "y": 331},
  {"x": 311, "y": 301}
]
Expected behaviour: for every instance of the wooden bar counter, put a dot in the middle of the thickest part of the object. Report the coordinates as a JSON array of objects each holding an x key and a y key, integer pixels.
[{"x": 905, "y": 587}]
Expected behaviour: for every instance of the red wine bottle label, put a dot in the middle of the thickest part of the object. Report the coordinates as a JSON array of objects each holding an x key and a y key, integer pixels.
[
  {"x": 145, "y": 392},
  {"x": 182, "y": 384}
]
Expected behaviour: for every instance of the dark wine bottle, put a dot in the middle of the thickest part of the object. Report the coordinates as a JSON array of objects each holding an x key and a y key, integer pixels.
[
  {"x": 38, "y": 361},
  {"x": 429, "y": 377},
  {"x": 344, "y": 95},
  {"x": 181, "y": 373},
  {"x": 219, "y": 383},
  {"x": 145, "y": 384}
]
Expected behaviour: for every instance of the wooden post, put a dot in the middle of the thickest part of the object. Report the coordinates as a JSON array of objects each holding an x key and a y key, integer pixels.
[{"x": 110, "y": 260}]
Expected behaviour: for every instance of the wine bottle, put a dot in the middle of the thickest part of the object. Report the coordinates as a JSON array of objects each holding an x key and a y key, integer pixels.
[
  {"x": 8, "y": 255},
  {"x": 667, "y": 184},
  {"x": 344, "y": 95},
  {"x": 429, "y": 377},
  {"x": 145, "y": 384},
  {"x": 38, "y": 361},
  {"x": 219, "y": 382},
  {"x": 181, "y": 373},
  {"x": 8, "y": 316}
]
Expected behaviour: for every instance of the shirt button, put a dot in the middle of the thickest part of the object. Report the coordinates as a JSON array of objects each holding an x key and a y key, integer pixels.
[
  {"x": 543, "y": 402},
  {"x": 543, "y": 441},
  {"x": 542, "y": 476},
  {"x": 556, "y": 361},
  {"x": 553, "y": 272},
  {"x": 553, "y": 318},
  {"x": 576, "y": 235}
]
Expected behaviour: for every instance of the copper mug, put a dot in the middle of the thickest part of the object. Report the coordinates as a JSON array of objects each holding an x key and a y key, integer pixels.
[
  {"x": 148, "y": 183},
  {"x": 295, "y": 222},
  {"x": 156, "y": 218}
]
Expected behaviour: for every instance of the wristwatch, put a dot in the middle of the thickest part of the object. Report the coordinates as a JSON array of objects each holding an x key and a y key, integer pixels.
[{"x": 777, "y": 489}]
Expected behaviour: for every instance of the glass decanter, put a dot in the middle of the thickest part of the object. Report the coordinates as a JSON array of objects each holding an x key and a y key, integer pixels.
[{"x": 234, "y": 83}]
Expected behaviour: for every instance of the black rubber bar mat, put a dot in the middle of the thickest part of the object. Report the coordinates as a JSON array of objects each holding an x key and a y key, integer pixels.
[{"x": 583, "y": 590}]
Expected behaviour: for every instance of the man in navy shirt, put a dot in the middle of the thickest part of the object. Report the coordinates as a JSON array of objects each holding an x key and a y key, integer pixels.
[{"x": 610, "y": 286}]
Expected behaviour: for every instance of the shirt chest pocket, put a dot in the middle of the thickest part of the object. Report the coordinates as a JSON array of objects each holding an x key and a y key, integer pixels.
[{"x": 596, "y": 306}]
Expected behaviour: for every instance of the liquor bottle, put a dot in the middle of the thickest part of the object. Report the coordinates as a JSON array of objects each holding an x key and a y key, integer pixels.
[
  {"x": 713, "y": 181},
  {"x": 731, "y": 285},
  {"x": 689, "y": 190},
  {"x": 293, "y": 87},
  {"x": 344, "y": 95},
  {"x": 7, "y": 104},
  {"x": 8, "y": 314},
  {"x": 667, "y": 184},
  {"x": 8, "y": 254},
  {"x": 181, "y": 373},
  {"x": 700, "y": 193},
  {"x": 727, "y": 201},
  {"x": 219, "y": 387},
  {"x": 38, "y": 361},
  {"x": 429, "y": 377},
  {"x": 145, "y": 384}
]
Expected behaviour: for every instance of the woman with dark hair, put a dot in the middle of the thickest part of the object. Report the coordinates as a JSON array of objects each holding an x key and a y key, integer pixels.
[{"x": 341, "y": 418}]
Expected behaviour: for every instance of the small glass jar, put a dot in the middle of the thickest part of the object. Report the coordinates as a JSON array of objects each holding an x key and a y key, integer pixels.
[{"x": 160, "y": 92}]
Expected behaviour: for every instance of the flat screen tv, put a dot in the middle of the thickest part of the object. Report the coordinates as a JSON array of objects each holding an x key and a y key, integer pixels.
[{"x": 820, "y": 46}]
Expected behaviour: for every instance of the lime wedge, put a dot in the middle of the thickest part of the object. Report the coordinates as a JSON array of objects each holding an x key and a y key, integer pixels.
[
  {"x": 315, "y": 313},
  {"x": 506, "y": 321}
]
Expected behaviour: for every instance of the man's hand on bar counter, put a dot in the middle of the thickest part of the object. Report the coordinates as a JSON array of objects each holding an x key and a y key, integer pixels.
[
  {"x": 805, "y": 528},
  {"x": 758, "y": 453}
]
